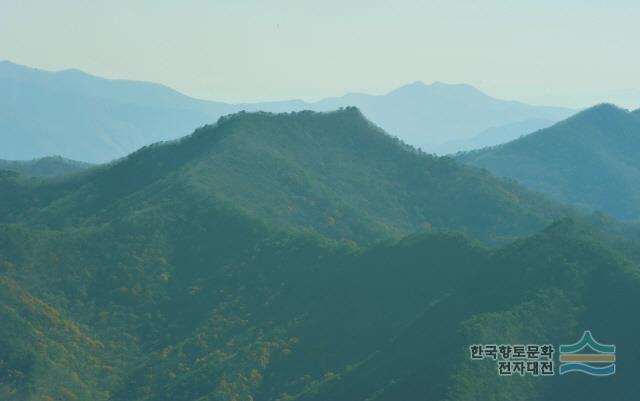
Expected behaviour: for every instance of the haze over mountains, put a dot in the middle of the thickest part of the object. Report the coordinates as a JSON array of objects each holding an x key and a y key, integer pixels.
[
  {"x": 590, "y": 160},
  {"x": 428, "y": 116},
  {"x": 228, "y": 265},
  {"x": 491, "y": 137},
  {"x": 359, "y": 184},
  {"x": 91, "y": 119},
  {"x": 308, "y": 256},
  {"x": 44, "y": 167}
]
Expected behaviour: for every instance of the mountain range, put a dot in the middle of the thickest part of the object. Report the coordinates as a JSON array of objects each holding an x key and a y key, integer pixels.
[
  {"x": 299, "y": 256},
  {"x": 491, "y": 137},
  {"x": 82, "y": 117},
  {"x": 359, "y": 184},
  {"x": 51, "y": 166},
  {"x": 589, "y": 160}
]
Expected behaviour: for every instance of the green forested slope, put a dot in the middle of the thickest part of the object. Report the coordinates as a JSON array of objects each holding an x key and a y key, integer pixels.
[
  {"x": 332, "y": 173},
  {"x": 177, "y": 274},
  {"x": 545, "y": 289},
  {"x": 590, "y": 160},
  {"x": 218, "y": 307}
]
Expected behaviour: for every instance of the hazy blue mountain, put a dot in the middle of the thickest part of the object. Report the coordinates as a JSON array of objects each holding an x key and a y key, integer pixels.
[
  {"x": 87, "y": 118},
  {"x": 590, "y": 159},
  {"x": 427, "y": 115},
  {"x": 44, "y": 167},
  {"x": 492, "y": 136}
]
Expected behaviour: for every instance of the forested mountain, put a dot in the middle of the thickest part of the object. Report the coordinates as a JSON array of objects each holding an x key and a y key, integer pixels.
[
  {"x": 330, "y": 173},
  {"x": 44, "y": 167},
  {"x": 188, "y": 300},
  {"x": 590, "y": 160},
  {"x": 87, "y": 118},
  {"x": 223, "y": 267}
]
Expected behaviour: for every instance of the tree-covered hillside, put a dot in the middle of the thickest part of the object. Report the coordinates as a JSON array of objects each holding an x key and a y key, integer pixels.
[
  {"x": 590, "y": 160},
  {"x": 332, "y": 173},
  {"x": 189, "y": 301},
  {"x": 227, "y": 266}
]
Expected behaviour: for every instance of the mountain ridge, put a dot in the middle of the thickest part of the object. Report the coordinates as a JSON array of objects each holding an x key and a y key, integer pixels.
[
  {"x": 87, "y": 118},
  {"x": 236, "y": 264},
  {"x": 492, "y": 136},
  {"x": 588, "y": 160},
  {"x": 44, "y": 167},
  {"x": 360, "y": 184}
]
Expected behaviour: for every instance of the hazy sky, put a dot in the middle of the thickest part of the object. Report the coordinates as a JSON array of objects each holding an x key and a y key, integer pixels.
[{"x": 561, "y": 52}]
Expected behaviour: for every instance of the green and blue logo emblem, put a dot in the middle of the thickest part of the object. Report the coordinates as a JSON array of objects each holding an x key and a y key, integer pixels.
[{"x": 588, "y": 356}]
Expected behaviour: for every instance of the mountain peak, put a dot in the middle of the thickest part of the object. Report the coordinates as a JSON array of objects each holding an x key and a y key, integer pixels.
[
  {"x": 607, "y": 108},
  {"x": 440, "y": 84},
  {"x": 121, "y": 116},
  {"x": 416, "y": 84},
  {"x": 600, "y": 112},
  {"x": 346, "y": 111},
  {"x": 589, "y": 159},
  {"x": 11, "y": 69},
  {"x": 436, "y": 88}
]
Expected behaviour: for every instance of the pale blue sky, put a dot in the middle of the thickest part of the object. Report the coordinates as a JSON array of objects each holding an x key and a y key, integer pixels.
[{"x": 571, "y": 53}]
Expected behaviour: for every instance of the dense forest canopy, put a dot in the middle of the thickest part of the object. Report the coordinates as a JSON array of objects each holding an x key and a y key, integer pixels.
[
  {"x": 589, "y": 160},
  {"x": 331, "y": 173},
  {"x": 237, "y": 264}
]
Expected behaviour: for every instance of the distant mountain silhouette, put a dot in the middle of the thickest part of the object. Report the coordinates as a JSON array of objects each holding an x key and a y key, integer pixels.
[
  {"x": 44, "y": 167},
  {"x": 82, "y": 117},
  {"x": 590, "y": 160},
  {"x": 492, "y": 136},
  {"x": 86, "y": 118},
  {"x": 428, "y": 115}
]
